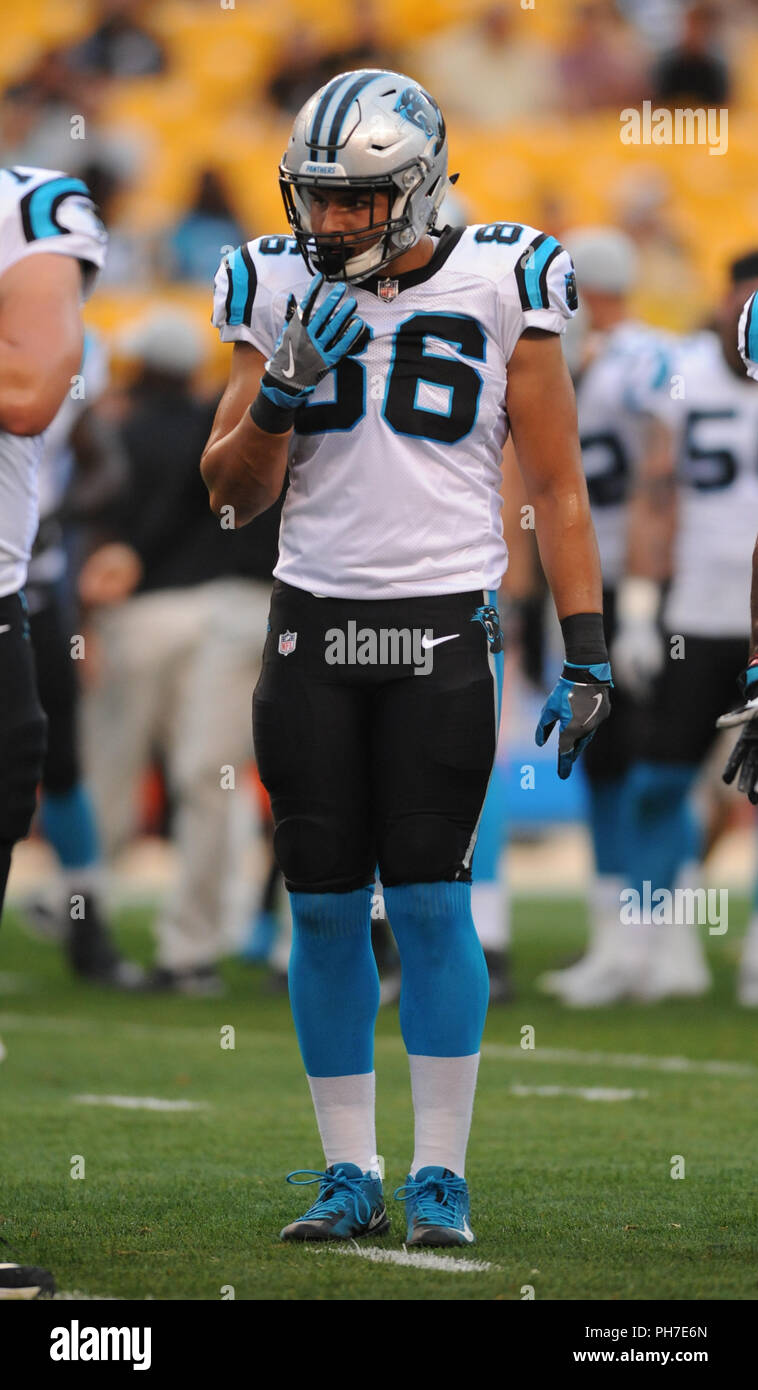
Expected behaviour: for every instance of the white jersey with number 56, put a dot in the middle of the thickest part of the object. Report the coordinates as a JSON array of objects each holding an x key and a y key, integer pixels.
[{"x": 395, "y": 462}]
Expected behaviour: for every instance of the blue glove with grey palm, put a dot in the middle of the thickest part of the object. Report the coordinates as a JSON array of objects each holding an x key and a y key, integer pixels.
[
  {"x": 744, "y": 756},
  {"x": 578, "y": 704},
  {"x": 312, "y": 342}
]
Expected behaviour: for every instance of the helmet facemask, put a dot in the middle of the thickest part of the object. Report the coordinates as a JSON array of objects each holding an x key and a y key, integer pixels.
[{"x": 356, "y": 254}]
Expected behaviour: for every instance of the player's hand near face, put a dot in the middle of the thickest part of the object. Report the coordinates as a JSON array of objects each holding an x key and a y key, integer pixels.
[
  {"x": 245, "y": 459},
  {"x": 312, "y": 342}
]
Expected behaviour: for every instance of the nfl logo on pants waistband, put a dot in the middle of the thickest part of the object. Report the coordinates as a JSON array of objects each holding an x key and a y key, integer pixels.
[
  {"x": 287, "y": 643},
  {"x": 387, "y": 289}
]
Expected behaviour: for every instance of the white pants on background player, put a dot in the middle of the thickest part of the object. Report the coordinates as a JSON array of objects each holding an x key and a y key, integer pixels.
[{"x": 175, "y": 670}]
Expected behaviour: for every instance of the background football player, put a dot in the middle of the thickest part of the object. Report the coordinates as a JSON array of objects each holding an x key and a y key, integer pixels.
[
  {"x": 608, "y": 351},
  {"x": 710, "y": 409},
  {"x": 52, "y": 244},
  {"x": 388, "y": 406}
]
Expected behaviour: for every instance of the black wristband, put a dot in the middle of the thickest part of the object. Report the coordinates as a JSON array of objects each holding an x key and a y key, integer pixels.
[
  {"x": 584, "y": 639},
  {"x": 269, "y": 417}
]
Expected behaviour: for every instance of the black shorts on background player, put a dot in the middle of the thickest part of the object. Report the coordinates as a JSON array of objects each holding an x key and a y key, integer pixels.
[{"x": 22, "y": 731}]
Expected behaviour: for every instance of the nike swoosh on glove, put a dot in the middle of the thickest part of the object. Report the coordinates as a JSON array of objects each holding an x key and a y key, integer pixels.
[
  {"x": 311, "y": 343},
  {"x": 578, "y": 704}
]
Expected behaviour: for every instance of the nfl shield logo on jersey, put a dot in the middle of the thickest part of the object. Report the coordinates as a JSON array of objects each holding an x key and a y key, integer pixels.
[
  {"x": 287, "y": 643},
  {"x": 387, "y": 289}
]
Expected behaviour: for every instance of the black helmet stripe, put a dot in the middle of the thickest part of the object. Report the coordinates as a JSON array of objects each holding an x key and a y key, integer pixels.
[
  {"x": 344, "y": 107},
  {"x": 318, "y": 119}
]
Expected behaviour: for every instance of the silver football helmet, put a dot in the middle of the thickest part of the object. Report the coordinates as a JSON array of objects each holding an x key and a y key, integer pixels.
[{"x": 371, "y": 130}]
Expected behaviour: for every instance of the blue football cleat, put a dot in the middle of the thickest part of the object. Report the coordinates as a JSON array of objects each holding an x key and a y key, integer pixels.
[
  {"x": 437, "y": 1208},
  {"x": 349, "y": 1204}
]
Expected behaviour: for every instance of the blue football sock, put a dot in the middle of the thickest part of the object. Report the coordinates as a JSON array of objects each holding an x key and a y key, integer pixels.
[
  {"x": 445, "y": 991},
  {"x": 333, "y": 981},
  {"x": 68, "y": 822},
  {"x": 605, "y": 801},
  {"x": 661, "y": 832}
]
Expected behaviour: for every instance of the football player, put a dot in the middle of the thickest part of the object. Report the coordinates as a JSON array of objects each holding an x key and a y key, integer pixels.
[
  {"x": 689, "y": 665},
  {"x": 52, "y": 245},
  {"x": 608, "y": 352},
  {"x": 383, "y": 365},
  {"x": 744, "y": 756}
]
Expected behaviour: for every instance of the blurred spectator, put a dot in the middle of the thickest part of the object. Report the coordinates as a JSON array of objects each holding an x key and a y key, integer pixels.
[
  {"x": 180, "y": 614},
  {"x": 306, "y": 65},
  {"x": 120, "y": 45},
  {"x": 193, "y": 249},
  {"x": 49, "y": 120},
  {"x": 669, "y": 289},
  {"x": 603, "y": 62},
  {"x": 695, "y": 72},
  {"x": 131, "y": 255},
  {"x": 484, "y": 70},
  {"x": 35, "y": 118}
]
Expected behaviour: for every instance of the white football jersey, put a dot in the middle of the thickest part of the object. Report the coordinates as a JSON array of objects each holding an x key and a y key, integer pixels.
[
  {"x": 395, "y": 462},
  {"x": 747, "y": 336},
  {"x": 41, "y": 211},
  {"x": 611, "y": 430},
  {"x": 56, "y": 465},
  {"x": 714, "y": 414}
]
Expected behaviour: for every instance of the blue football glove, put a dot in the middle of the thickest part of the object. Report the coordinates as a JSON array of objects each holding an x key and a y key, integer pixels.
[
  {"x": 578, "y": 704},
  {"x": 744, "y": 755},
  {"x": 311, "y": 343}
]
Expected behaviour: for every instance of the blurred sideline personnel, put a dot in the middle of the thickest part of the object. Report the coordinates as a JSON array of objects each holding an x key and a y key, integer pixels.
[
  {"x": 689, "y": 663},
  {"x": 74, "y": 446},
  {"x": 607, "y": 351},
  {"x": 179, "y": 616},
  {"x": 52, "y": 244},
  {"x": 396, "y": 394}
]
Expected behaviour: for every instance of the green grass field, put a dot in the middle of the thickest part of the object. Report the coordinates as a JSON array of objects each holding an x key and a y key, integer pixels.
[{"x": 573, "y": 1196}]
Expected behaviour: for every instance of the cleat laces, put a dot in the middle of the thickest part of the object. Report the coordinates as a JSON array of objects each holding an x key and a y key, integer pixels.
[
  {"x": 335, "y": 1187},
  {"x": 436, "y": 1199}
]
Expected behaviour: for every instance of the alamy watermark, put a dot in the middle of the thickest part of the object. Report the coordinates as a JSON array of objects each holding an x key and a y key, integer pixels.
[
  {"x": 676, "y": 907},
  {"x": 681, "y": 126},
  {"x": 383, "y": 646}
]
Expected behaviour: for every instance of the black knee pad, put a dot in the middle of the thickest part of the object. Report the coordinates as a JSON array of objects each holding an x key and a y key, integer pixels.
[
  {"x": 423, "y": 849},
  {"x": 317, "y": 856},
  {"x": 22, "y": 752}
]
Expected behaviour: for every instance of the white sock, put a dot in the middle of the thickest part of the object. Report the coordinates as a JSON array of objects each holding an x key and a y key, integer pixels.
[
  {"x": 89, "y": 880},
  {"x": 679, "y": 947},
  {"x": 490, "y": 909},
  {"x": 443, "y": 1099},
  {"x": 604, "y": 904},
  {"x": 750, "y": 945},
  {"x": 344, "y": 1108}
]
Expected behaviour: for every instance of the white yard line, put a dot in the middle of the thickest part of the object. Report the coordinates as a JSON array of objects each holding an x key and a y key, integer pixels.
[
  {"x": 140, "y": 1102},
  {"x": 582, "y": 1092},
  {"x": 635, "y": 1061},
  {"x": 76, "y": 1296},
  {"x": 414, "y": 1259}
]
